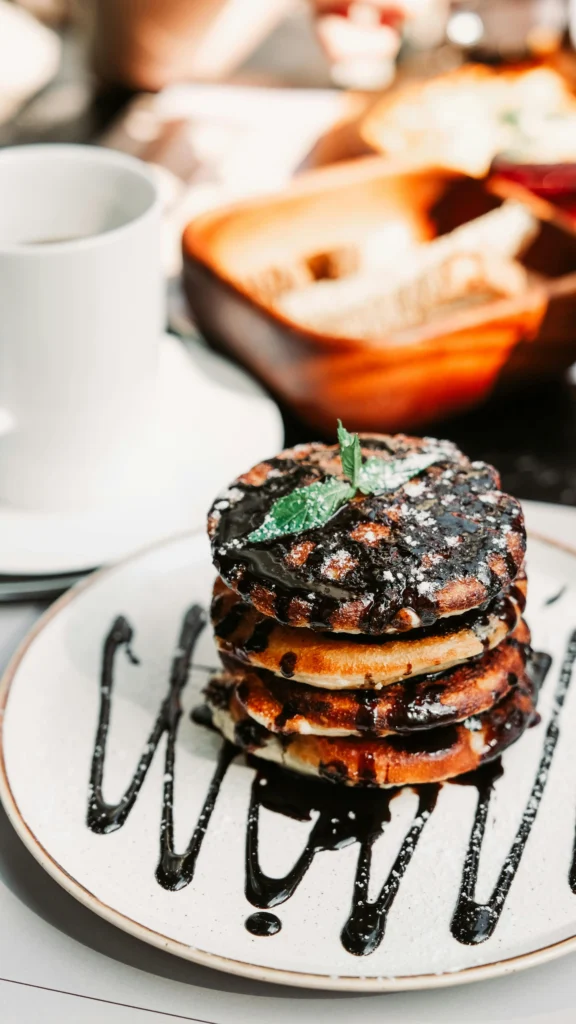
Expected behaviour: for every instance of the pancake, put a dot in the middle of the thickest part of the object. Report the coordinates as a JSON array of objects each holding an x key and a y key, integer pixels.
[
  {"x": 335, "y": 661},
  {"x": 422, "y": 757},
  {"x": 285, "y": 707},
  {"x": 445, "y": 542}
]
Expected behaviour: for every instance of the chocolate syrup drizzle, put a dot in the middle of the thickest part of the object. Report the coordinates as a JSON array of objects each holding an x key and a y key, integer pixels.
[
  {"x": 174, "y": 870},
  {"x": 263, "y": 924},
  {"x": 473, "y": 922},
  {"x": 344, "y": 815},
  {"x": 555, "y": 597}
]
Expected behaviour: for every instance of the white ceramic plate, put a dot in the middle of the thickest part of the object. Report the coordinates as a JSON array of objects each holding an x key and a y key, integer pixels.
[
  {"x": 51, "y": 697},
  {"x": 211, "y": 417}
]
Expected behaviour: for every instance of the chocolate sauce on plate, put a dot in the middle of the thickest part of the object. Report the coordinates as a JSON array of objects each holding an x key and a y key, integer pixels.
[
  {"x": 263, "y": 924},
  {"x": 174, "y": 870},
  {"x": 339, "y": 816}
]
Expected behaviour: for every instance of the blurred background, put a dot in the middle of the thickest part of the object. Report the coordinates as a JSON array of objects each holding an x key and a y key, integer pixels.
[{"x": 311, "y": 151}]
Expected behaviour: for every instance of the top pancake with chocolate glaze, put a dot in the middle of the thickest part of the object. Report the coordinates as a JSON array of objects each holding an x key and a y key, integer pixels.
[{"x": 444, "y": 543}]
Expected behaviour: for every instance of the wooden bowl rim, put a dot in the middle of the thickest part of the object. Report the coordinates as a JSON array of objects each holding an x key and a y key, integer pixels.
[{"x": 409, "y": 341}]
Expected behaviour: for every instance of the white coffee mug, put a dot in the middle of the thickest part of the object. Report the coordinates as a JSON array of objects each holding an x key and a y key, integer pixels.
[{"x": 81, "y": 316}]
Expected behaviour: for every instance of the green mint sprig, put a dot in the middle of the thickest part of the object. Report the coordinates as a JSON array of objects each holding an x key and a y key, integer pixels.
[
  {"x": 350, "y": 454},
  {"x": 308, "y": 507}
]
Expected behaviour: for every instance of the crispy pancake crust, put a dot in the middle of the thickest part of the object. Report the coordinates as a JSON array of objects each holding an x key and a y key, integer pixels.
[
  {"x": 446, "y": 542},
  {"x": 285, "y": 707},
  {"x": 421, "y": 758},
  {"x": 337, "y": 661}
]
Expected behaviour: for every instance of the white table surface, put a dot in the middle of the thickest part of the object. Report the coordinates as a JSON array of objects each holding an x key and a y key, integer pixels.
[{"x": 61, "y": 963}]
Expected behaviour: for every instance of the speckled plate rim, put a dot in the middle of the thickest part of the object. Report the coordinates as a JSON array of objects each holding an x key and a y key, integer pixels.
[{"x": 334, "y": 983}]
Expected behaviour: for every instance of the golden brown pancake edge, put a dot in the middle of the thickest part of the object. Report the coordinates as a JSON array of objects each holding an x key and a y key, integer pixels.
[{"x": 283, "y": 706}]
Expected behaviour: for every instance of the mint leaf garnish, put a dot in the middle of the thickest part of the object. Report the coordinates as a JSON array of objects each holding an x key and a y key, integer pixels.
[
  {"x": 377, "y": 476},
  {"x": 304, "y": 508},
  {"x": 308, "y": 507},
  {"x": 510, "y": 117},
  {"x": 350, "y": 453}
]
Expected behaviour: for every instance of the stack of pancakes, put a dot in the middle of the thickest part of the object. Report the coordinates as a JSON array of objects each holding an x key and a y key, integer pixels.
[{"x": 386, "y": 646}]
